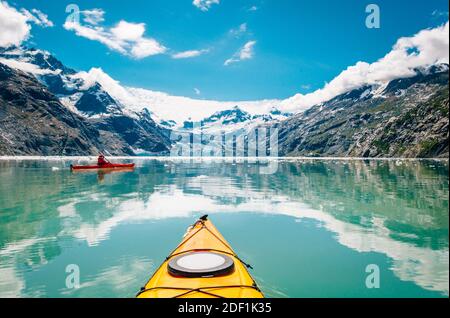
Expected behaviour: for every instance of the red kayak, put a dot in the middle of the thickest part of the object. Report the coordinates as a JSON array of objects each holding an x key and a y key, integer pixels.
[{"x": 105, "y": 166}]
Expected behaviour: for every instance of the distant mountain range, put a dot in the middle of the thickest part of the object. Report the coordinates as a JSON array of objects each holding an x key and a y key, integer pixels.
[
  {"x": 236, "y": 118},
  {"x": 47, "y": 108}
]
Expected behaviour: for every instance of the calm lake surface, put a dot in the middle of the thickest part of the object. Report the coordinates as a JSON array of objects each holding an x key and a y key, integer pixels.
[{"x": 310, "y": 229}]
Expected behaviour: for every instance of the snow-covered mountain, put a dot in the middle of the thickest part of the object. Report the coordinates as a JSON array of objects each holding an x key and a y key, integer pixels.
[
  {"x": 129, "y": 112},
  {"x": 96, "y": 96},
  {"x": 86, "y": 99},
  {"x": 137, "y": 131},
  {"x": 142, "y": 119},
  {"x": 227, "y": 117},
  {"x": 235, "y": 119},
  {"x": 405, "y": 117},
  {"x": 95, "y": 93}
]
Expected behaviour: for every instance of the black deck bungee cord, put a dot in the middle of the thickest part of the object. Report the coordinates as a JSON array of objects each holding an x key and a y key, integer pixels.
[{"x": 200, "y": 290}]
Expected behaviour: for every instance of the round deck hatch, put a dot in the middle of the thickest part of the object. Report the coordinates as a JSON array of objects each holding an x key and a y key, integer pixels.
[{"x": 201, "y": 264}]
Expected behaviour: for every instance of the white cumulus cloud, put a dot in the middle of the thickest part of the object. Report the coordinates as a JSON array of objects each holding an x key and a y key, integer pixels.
[
  {"x": 15, "y": 24},
  {"x": 96, "y": 34},
  {"x": 205, "y": 5},
  {"x": 125, "y": 37},
  {"x": 146, "y": 47},
  {"x": 128, "y": 31},
  {"x": 14, "y": 28},
  {"x": 245, "y": 53}
]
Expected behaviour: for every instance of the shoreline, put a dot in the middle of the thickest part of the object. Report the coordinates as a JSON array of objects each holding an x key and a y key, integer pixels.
[{"x": 166, "y": 158}]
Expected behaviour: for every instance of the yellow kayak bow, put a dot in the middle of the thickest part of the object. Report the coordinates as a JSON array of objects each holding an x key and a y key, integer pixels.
[{"x": 202, "y": 266}]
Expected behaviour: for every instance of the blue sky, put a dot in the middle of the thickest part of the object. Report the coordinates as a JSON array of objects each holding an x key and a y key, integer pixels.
[{"x": 295, "y": 46}]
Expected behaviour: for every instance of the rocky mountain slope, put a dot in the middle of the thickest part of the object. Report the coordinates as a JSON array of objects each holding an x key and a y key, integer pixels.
[
  {"x": 34, "y": 122},
  {"x": 119, "y": 131},
  {"x": 404, "y": 118}
]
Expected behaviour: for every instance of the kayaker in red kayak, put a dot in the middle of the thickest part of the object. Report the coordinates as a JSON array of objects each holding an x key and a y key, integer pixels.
[{"x": 102, "y": 161}]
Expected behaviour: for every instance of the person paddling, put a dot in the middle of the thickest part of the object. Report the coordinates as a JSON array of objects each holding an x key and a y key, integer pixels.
[{"x": 102, "y": 161}]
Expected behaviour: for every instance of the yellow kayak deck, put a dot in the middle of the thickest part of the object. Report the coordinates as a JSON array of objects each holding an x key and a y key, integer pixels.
[{"x": 202, "y": 237}]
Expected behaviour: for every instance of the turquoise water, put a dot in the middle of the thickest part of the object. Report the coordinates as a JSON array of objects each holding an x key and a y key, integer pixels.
[{"x": 310, "y": 229}]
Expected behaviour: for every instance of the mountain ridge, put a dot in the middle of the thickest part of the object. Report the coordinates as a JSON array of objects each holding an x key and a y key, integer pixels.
[
  {"x": 407, "y": 118},
  {"x": 343, "y": 126},
  {"x": 33, "y": 121}
]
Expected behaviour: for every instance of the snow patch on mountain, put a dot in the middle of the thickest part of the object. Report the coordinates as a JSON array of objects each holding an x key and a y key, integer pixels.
[
  {"x": 27, "y": 67},
  {"x": 70, "y": 102}
]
